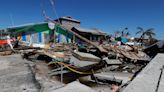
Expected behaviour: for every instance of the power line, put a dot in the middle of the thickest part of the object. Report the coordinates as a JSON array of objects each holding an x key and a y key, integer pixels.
[
  {"x": 53, "y": 7},
  {"x": 12, "y": 21},
  {"x": 43, "y": 8}
]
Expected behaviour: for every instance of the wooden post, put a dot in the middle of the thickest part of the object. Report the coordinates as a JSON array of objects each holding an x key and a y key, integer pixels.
[
  {"x": 61, "y": 74},
  {"x": 74, "y": 38},
  {"x": 90, "y": 37}
]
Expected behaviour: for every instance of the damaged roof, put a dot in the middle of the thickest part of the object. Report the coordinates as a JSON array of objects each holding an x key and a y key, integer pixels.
[
  {"x": 69, "y": 18},
  {"x": 92, "y": 31}
]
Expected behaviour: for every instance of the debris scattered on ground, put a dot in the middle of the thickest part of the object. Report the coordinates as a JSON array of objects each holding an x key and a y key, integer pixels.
[
  {"x": 57, "y": 67},
  {"x": 119, "y": 78}
]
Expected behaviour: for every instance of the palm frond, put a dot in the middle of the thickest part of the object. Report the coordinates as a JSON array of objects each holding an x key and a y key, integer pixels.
[
  {"x": 126, "y": 28},
  {"x": 141, "y": 30},
  {"x": 153, "y": 34},
  {"x": 150, "y": 32},
  {"x": 127, "y": 34},
  {"x": 122, "y": 33},
  {"x": 150, "y": 29}
]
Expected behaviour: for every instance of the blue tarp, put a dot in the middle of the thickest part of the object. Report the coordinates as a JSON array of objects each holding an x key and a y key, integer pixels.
[{"x": 124, "y": 40}]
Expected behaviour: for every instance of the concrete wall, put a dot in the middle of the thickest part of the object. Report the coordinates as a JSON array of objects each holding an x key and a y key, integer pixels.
[
  {"x": 147, "y": 79},
  {"x": 70, "y": 24}
]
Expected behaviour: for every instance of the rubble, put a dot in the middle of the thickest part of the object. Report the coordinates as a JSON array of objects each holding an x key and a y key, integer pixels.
[
  {"x": 75, "y": 87},
  {"x": 55, "y": 66},
  {"x": 155, "y": 48},
  {"x": 119, "y": 78},
  {"x": 66, "y": 65}
]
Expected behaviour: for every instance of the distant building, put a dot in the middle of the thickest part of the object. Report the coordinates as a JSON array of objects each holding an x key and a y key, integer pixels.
[
  {"x": 68, "y": 22},
  {"x": 74, "y": 25},
  {"x": 36, "y": 34},
  {"x": 90, "y": 34},
  {"x": 39, "y": 34}
]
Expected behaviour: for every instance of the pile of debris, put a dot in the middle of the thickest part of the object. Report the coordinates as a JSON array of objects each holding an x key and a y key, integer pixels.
[
  {"x": 70, "y": 65},
  {"x": 107, "y": 64}
]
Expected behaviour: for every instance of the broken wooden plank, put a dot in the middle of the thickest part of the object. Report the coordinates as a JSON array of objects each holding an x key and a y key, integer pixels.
[
  {"x": 118, "y": 77},
  {"x": 136, "y": 56},
  {"x": 54, "y": 54}
]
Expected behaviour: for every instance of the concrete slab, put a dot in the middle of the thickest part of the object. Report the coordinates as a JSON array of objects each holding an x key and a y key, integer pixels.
[
  {"x": 75, "y": 87},
  {"x": 16, "y": 76},
  {"x": 113, "y": 62},
  {"x": 81, "y": 63},
  {"x": 86, "y": 56},
  {"x": 147, "y": 79}
]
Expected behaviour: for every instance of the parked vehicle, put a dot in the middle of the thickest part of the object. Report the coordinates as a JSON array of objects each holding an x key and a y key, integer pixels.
[{"x": 4, "y": 41}]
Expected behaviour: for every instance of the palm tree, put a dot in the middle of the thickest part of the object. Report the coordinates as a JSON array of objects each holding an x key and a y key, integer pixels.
[
  {"x": 127, "y": 34},
  {"x": 149, "y": 32},
  {"x": 123, "y": 32}
]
